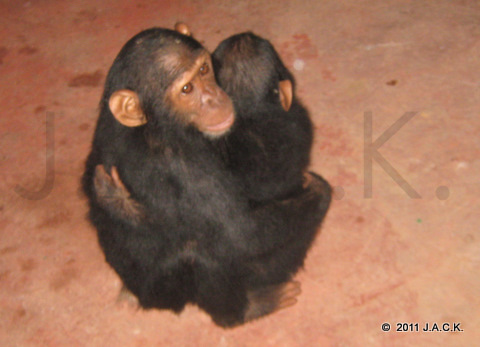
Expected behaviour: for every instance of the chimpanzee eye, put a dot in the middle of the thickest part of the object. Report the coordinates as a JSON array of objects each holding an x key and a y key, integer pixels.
[
  {"x": 187, "y": 88},
  {"x": 204, "y": 69}
]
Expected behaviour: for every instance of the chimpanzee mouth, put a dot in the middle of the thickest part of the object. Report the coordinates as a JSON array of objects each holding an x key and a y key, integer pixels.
[{"x": 223, "y": 125}]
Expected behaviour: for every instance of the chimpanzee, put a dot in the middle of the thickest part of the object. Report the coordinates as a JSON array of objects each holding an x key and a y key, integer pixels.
[
  {"x": 173, "y": 219},
  {"x": 268, "y": 150},
  {"x": 269, "y": 145}
]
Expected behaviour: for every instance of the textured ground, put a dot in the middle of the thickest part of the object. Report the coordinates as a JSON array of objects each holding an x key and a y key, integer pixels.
[{"x": 389, "y": 258}]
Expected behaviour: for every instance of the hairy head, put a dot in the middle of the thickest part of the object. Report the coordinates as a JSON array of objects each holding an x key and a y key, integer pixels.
[
  {"x": 249, "y": 69},
  {"x": 162, "y": 78}
]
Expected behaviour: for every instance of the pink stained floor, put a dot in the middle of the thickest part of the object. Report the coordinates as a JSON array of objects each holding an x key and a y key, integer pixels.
[{"x": 385, "y": 259}]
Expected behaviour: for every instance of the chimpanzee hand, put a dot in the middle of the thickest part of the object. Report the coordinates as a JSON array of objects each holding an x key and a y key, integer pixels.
[{"x": 115, "y": 198}]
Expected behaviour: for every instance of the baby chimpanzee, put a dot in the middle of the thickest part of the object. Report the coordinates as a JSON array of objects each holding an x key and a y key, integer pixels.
[{"x": 269, "y": 144}]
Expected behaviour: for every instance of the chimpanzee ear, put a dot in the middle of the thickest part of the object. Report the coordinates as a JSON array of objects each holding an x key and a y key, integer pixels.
[
  {"x": 286, "y": 94},
  {"x": 125, "y": 107},
  {"x": 183, "y": 28}
]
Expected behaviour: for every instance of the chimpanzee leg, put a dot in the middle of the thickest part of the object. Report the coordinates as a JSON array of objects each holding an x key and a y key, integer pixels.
[
  {"x": 221, "y": 292},
  {"x": 229, "y": 303},
  {"x": 293, "y": 224}
]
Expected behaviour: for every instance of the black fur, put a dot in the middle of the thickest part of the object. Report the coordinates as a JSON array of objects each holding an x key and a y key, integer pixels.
[
  {"x": 269, "y": 148},
  {"x": 268, "y": 151},
  {"x": 201, "y": 239}
]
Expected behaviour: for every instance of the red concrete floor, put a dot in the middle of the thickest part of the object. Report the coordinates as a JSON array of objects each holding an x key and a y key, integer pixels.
[{"x": 390, "y": 258}]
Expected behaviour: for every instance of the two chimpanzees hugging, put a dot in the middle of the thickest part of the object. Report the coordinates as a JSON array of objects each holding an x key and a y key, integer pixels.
[{"x": 199, "y": 191}]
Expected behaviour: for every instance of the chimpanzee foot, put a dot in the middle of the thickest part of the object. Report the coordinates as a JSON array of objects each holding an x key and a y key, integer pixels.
[
  {"x": 307, "y": 179},
  {"x": 316, "y": 183},
  {"x": 127, "y": 299},
  {"x": 267, "y": 300}
]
